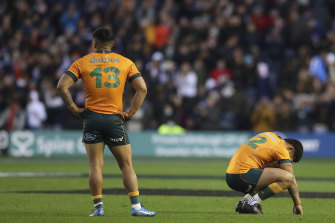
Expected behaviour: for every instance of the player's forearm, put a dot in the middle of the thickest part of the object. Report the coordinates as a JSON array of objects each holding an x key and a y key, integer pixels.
[
  {"x": 294, "y": 192},
  {"x": 137, "y": 102},
  {"x": 67, "y": 98},
  {"x": 273, "y": 165}
]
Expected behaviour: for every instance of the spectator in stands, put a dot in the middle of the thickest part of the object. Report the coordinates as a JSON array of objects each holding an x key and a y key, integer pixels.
[
  {"x": 69, "y": 19},
  {"x": 13, "y": 117},
  {"x": 263, "y": 117},
  {"x": 221, "y": 70},
  {"x": 169, "y": 126},
  {"x": 263, "y": 82},
  {"x": 285, "y": 116},
  {"x": 36, "y": 112},
  {"x": 54, "y": 106},
  {"x": 154, "y": 74},
  {"x": 317, "y": 67},
  {"x": 209, "y": 112}
]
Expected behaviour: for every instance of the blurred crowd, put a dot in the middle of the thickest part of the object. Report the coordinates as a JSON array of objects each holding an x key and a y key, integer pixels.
[{"x": 256, "y": 65}]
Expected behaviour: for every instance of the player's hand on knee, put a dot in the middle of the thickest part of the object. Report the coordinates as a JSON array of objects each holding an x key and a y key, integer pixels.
[{"x": 297, "y": 209}]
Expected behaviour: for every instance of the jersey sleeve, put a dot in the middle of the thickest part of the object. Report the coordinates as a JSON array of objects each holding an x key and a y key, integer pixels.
[
  {"x": 282, "y": 155},
  {"x": 74, "y": 71},
  {"x": 133, "y": 73}
]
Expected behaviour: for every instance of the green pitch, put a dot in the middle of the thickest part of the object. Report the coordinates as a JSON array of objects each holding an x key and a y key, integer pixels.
[{"x": 163, "y": 174}]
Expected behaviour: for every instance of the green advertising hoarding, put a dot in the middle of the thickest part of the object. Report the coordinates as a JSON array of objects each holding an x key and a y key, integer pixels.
[
  {"x": 68, "y": 143},
  {"x": 197, "y": 144},
  {"x": 45, "y": 143}
]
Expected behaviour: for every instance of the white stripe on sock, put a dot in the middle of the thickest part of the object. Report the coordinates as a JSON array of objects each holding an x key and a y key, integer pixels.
[{"x": 97, "y": 204}]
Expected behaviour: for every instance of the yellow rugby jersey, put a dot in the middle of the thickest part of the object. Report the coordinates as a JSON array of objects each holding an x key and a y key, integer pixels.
[
  {"x": 104, "y": 75},
  {"x": 262, "y": 149}
]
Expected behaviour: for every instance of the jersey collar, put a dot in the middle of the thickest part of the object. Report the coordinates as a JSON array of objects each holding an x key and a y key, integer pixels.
[{"x": 103, "y": 51}]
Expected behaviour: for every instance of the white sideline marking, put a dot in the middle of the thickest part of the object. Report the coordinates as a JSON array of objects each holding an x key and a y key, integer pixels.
[{"x": 32, "y": 174}]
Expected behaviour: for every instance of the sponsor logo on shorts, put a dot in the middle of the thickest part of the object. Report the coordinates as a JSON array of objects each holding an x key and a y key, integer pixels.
[
  {"x": 116, "y": 139},
  {"x": 89, "y": 137}
]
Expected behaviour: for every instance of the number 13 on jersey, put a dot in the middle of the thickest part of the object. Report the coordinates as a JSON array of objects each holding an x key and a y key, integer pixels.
[{"x": 97, "y": 73}]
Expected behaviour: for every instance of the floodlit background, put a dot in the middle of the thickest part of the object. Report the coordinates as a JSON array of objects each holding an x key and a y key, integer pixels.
[{"x": 209, "y": 65}]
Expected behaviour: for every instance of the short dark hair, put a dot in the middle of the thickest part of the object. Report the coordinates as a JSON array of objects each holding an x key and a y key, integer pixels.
[
  {"x": 103, "y": 35},
  {"x": 298, "y": 149}
]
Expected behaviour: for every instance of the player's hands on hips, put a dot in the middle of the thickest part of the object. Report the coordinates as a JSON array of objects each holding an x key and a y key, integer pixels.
[
  {"x": 297, "y": 209},
  {"x": 126, "y": 116}
]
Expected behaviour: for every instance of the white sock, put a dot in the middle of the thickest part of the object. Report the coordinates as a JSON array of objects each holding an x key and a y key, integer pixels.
[
  {"x": 136, "y": 206},
  {"x": 247, "y": 196},
  {"x": 257, "y": 198}
]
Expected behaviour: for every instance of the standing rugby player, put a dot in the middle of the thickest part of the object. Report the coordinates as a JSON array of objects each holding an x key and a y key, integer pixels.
[{"x": 104, "y": 75}]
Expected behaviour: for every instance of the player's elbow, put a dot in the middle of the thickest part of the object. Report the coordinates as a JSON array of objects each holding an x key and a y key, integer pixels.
[
  {"x": 60, "y": 88},
  {"x": 143, "y": 91}
]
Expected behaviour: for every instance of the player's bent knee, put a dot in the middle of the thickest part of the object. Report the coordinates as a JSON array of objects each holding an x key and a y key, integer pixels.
[{"x": 287, "y": 179}]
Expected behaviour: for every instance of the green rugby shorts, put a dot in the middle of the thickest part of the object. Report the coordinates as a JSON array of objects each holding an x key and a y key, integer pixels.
[
  {"x": 245, "y": 182},
  {"x": 108, "y": 128}
]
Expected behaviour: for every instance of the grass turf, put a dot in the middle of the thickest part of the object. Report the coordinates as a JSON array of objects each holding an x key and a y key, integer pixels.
[
  {"x": 15, "y": 207},
  {"x": 75, "y": 208}
]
